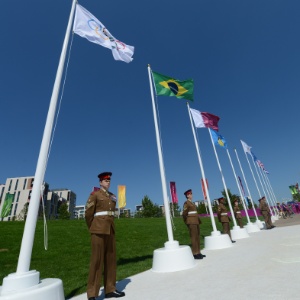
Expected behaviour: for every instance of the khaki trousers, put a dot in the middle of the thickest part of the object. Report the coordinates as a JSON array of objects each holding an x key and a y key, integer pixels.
[
  {"x": 103, "y": 259},
  {"x": 226, "y": 229},
  {"x": 194, "y": 231}
]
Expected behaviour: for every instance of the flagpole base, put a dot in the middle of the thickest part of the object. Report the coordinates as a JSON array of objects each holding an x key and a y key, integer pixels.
[
  {"x": 29, "y": 286},
  {"x": 260, "y": 224},
  {"x": 252, "y": 227},
  {"x": 217, "y": 241},
  {"x": 274, "y": 218},
  {"x": 172, "y": 258},
  {"x": 239, "y": 233}
]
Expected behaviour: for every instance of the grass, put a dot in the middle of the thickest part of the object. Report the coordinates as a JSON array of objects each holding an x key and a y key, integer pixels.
[{"x": 68, "y": 251}]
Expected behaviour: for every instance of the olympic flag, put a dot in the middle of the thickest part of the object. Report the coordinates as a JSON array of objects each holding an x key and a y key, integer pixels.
[{"x": 89, "y": 27}]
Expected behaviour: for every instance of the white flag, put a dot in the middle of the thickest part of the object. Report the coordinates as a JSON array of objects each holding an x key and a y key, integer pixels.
[
  {"x": 89, "y": 27},
  {"x": 247, "y": 149},
  {"x": 197, "y": 117}
]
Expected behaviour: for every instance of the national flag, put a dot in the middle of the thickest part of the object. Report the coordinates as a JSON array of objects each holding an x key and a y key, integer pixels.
[
  {"x": 293, "y": 190},
  {"x": 218, "y": 139},
  {"x": 247, "y": 149},
  {"x": 173, "y": 192},
  {"x": 253, "y": 155},
  {"x": 6, "y": 208},
  {"x": 168, "y": 86},
  {"x": 205, "y": 119},
  {"x": 240, "y": 180},
  {"x": 89, "y": 27},
  {"x": 122, "y": 196},
  {"x": 203, "y": 188}
]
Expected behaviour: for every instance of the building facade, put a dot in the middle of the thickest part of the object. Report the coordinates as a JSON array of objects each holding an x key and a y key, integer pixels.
[{"x": 15, "y": 197}]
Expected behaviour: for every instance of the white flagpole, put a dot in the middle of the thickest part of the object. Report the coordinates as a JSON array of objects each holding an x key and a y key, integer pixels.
[
  {"x": 268, "y": 191},
  {"x": 238, "y": 185},
  {"x": 28, "y": 236},
  {"x": 253, "y": 175},
  {"x": 212, "y": 218},
  {"x": 23, "y": 277},
  {"x": 223, "y": 180},
  {"x": 261, "y": 184},
  {"x": 161, "y": 164},
  {"x": 172, "y": 257},
  {"x": 254, "y": 209},
  {"x": 268, "y": 180}
]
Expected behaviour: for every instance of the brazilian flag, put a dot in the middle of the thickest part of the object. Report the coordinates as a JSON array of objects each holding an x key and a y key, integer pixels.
[{"x": 167, "y": 86}]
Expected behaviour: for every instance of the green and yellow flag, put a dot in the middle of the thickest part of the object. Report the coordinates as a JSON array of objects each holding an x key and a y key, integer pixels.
[
  {"x": 6, "y": 208},
  {"x": 167, "y": 86}
]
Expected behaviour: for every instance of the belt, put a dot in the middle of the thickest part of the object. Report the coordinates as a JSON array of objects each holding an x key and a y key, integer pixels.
[
  {"x": 192, "y": 212},
  {"x": 238, "y": 212},
  {"x": 223, "y": 214},
  {"x": 104, "y": 213}
]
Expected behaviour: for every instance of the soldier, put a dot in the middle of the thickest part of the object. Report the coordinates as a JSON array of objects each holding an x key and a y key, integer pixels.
[
  {"x": 237, "y": 213},
  {"x": 223, "y": 217},
  {"x": 192, "y": 220},
  {"x": 266, "y": 212},
  {"x": 99, "y": 216}
]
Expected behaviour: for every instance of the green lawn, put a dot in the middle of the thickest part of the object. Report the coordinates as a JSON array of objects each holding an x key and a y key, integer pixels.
[{"x": 68, "y": 251}]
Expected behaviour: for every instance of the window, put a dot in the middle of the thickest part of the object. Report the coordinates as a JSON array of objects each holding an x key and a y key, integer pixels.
[
  {"x": 17, "y": 182},
  {"x": 18, "y": 196},
  {"x": 9, "y": 185},
  {"x": 16, "y": 206},
  {"x": 24, "y": 185}
]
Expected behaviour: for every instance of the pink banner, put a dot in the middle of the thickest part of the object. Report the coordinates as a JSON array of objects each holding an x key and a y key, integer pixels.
[
  {"x": 173, "y": 192},
  {"x": 203, "y": 188}
]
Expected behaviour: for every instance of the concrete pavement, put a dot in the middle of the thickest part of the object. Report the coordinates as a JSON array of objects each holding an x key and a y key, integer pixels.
[{"x": 265, "y": 266}]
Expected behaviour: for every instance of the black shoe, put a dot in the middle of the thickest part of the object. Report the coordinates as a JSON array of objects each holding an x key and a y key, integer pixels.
[
  {"x": 92, "y": 298},
  {"x": 232, "y": 242},
  {"x": 273, "y": 226},
  {"x": 202, "y": 255},
  {"x": 115, "y": 294},
  {"x": 198, "y": 256}
]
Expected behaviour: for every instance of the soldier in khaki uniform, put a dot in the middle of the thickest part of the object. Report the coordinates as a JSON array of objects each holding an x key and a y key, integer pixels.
[
  {"x": 266, "y": 213},
  {"x": 237, "y": 213},
  {"x": 223, "y": 217},
  {"x": 99, "y": 216},
  {"x": 192, "y": 220}
]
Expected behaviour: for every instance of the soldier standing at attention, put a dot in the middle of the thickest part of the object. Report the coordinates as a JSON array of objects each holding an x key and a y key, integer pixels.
[
  {"x": 192, "y": 220},
  {"x": 223, "y": 217},
  {"x": 266, "y": 213},
  {"x": 237, "y": 213},
  {"x": 99, "y": 216}
]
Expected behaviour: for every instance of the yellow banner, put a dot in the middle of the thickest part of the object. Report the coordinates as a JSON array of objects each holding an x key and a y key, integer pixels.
[{"x": 122, "y": 196}]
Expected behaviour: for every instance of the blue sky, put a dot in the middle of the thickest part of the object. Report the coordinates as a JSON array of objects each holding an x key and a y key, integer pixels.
[{"x": 242, "y": 55}]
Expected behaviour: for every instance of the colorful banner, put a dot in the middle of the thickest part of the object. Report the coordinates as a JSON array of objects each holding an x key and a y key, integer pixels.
[
  {"x": 6, "y": 208},
  {"x": 122, "y": 196},
  {"x": 173, "y": 192},
  {"x": 203, "y": 188},
  {"x": 240, "y": 180}
]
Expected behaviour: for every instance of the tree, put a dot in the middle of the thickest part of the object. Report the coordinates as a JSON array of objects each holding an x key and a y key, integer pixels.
[
  {"x": 201, "y": 209},
  {"x": 149, "y": 209},
  {"x": 63, "y": 211}
]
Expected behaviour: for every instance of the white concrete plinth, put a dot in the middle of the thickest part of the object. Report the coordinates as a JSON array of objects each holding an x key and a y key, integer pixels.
[
  {"x": 260, "y": 224},
  {"x": 239, "y": 233},
  {"x": 252, "y": 227},
  {"x": 46, "y": 289},
  {"x": 172, "y": 258},
  {"x": 274, "y": 218},
  {"x": 217, "y": 241}
]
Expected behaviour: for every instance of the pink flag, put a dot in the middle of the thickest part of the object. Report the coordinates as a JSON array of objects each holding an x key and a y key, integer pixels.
[
  {"x": 203, "y": 188},
  {"x": 173, "y": 192},
  {"x": 205, "y": 119}
]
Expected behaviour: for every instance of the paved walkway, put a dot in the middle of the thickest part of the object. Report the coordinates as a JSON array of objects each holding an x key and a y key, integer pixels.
[{"x": 265, "y": 266}]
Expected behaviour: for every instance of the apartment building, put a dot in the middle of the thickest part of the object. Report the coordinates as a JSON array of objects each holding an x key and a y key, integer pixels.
[{"x": 17, "y": 191}]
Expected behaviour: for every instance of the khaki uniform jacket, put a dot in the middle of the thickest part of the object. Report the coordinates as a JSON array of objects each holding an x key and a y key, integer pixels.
[
  {"x": 222, "y": 210},
  {"x": 237, "y": 212},
  {"x": 264, "y": 208},
  {"x": 190, "y": 219},
  {"x": 98, "y": 201}
]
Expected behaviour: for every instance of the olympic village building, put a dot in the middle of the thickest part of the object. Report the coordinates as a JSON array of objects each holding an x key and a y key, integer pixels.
[{"x": 15, "y": 197}]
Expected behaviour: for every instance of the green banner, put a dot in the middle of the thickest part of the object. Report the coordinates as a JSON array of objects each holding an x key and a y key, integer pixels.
[{"x": 6, "y": 208}]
